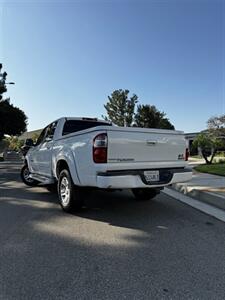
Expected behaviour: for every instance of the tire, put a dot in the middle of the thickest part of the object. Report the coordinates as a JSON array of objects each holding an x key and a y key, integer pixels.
[
  {"x": 24, "y": 174},
  {"x": 70, "y": 196},
  {"x": 145, "y": 194}
]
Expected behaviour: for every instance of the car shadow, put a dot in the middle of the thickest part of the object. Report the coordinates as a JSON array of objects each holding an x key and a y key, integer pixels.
[{"x": 118, "y": 208}]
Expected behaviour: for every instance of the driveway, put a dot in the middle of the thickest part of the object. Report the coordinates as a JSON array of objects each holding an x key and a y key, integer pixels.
[{"x": 115, "y": 248}]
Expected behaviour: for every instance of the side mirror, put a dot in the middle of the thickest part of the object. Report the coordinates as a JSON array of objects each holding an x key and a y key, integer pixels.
[
  {"x": 29, "y": 143},
  {"x": 48, "y": 139}
]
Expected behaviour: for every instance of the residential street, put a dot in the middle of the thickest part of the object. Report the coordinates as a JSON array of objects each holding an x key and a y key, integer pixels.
[{"x": 115, "y": 248}]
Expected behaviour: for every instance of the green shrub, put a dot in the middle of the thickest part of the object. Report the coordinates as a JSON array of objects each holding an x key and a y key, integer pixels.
[{"x": 220, "y": 153}]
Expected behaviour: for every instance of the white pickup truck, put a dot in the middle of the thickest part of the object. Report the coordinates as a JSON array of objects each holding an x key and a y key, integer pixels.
[{"x": 84, "y": 153}]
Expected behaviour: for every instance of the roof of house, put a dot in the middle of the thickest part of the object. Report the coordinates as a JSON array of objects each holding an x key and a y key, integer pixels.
[{"x": 29, "y": 134}]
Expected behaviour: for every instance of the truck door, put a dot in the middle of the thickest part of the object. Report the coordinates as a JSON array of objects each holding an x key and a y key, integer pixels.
[
  {"x": 41, "y": 156},
  {"x": 33, "y": 153},
  {"x": 44, "y": 155}
]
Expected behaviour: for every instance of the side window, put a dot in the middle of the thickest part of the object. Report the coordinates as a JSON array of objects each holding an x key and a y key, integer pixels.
[
  {"x": 51, "y": 130},
  {"x": 41, "y": 137}
]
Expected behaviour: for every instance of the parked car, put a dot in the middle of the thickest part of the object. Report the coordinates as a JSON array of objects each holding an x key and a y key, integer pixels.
[{"x": 83, "y": 153}]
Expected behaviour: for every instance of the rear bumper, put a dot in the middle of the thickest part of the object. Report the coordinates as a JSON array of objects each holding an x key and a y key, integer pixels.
[{"x": 135, "y": 178}]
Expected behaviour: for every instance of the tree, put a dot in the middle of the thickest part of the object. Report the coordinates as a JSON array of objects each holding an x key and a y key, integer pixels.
[
  {"x": 209, "y": 145},
  {"x": 150, "y": 117},
  {"x": 120, "y": 108},
  {"x": 121, "y": 111},
  {"x": 4, "y": 144},
  {"x": 13, "y": 120},
  {"x": 212, "y": 139},
  {"x": 216, "y": 125},
  {"x": 14, "y": 143},
  {"x": 3, "y": 88}
]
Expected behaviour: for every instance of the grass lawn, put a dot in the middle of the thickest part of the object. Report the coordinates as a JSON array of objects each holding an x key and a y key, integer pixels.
[
  {"x": 216, "y": 169},
  {"x": 196, "y": 156}
]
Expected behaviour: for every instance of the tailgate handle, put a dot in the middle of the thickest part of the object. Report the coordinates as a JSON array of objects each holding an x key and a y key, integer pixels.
[{"x": 151, "y": 142}]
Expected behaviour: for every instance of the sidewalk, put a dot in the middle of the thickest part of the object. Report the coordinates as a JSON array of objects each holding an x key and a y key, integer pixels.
[{"x": 204, "y": 187}]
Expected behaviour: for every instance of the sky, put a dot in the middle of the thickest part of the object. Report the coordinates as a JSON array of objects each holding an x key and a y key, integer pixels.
[{"x": 66, "y": 57}]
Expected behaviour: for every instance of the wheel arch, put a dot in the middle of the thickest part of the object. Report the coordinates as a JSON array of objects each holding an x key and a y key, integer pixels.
[
  {"x": 61, "y": 165},
  {"x": 64, "y": 163}
]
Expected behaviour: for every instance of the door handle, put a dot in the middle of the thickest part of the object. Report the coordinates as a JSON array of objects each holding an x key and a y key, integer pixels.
[{"x": 151, "y": 142}]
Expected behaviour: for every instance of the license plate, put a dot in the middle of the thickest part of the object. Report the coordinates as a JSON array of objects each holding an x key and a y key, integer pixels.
[{"x": 151, "y": 176}]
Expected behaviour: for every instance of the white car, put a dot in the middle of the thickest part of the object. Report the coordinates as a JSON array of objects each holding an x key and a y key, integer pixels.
[{"x": 83, "y": 153}]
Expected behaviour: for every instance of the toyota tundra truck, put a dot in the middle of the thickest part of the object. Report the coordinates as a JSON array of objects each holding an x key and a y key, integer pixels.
[{"x": 79, "y": 154}]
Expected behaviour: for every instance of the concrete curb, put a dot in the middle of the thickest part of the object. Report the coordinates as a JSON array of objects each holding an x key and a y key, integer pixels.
[{"x": 208, "y": 197}]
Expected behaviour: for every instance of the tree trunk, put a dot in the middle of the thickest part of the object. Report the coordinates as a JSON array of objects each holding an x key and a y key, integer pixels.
[
  {"x": 213, "y": 154},
  {"x": 204, "y": 154}
]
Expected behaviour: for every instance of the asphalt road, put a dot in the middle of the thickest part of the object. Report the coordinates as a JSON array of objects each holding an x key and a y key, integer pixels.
[{"x": 115, "y": 248}]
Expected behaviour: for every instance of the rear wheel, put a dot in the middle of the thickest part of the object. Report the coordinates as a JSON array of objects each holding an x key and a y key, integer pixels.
[
  {"x": 145, "y": 194},
  {"x": 25, "y": 176},
  {"x": 70, "y": 197}
]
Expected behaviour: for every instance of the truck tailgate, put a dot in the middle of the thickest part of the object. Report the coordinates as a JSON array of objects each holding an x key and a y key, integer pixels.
[{"x": 144, "y": 145}]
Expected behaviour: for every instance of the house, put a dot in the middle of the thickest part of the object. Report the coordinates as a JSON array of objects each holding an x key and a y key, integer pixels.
[
  {"x": 189, "y": 137},
  {"x": 29, "y": 134}
]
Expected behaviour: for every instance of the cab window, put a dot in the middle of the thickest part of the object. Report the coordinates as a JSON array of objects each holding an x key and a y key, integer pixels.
[
  {"x": 51, "y": 130},
  {"x": 41, "y": 137}
]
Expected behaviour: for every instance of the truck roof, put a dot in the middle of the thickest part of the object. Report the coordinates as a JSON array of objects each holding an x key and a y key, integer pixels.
[{"x": 85, "y": 119}]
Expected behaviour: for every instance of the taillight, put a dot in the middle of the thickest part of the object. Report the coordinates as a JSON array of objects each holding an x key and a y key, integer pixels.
[
  {"x": 186, "y": 154},
  {"x": 100, "y": 144}
]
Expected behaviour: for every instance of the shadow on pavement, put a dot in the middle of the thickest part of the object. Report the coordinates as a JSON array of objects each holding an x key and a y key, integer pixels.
[{"x": 114, "y": 248}]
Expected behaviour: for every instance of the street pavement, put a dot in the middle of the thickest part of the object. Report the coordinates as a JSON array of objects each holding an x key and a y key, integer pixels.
[{"x": 115, "y": 248}]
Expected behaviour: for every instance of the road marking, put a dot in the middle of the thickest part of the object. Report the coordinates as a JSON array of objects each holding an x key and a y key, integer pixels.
[{"x": 204, "y": 207}]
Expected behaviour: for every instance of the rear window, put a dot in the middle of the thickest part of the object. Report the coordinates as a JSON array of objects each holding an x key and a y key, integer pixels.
[{"x": 77, "y": 125}]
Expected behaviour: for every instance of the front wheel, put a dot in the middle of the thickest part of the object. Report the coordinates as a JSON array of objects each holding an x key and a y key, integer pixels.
[
  {"x": 25, "y": 176},
  {"x": 70, "y": 197},
  {"x": 145, "y": 194}
]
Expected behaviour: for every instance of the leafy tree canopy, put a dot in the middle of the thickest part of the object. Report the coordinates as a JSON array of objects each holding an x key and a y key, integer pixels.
[
  {"x": 120, "y": 107},
  {"x": 149, "y": 116},
  {"x": 14, "y": 143},
  {"x": 3, "y": 88},
  {"x": 13, "y": 120},
  {"x": 216, "y": 125},
  {"x": 213, "y": 139},
  {"x": 122, "y": 111}
]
